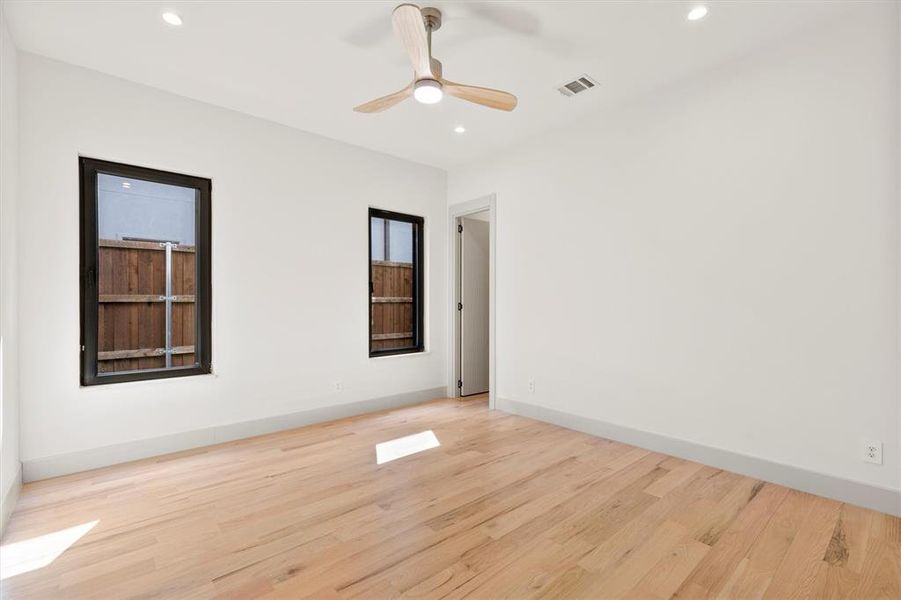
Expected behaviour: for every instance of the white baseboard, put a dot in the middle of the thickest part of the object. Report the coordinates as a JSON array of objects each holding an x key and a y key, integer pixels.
[
  {"x": 10, "y": 497},
  {"x": 876, "y": 497},
  {"x": 75, "y": 462}
]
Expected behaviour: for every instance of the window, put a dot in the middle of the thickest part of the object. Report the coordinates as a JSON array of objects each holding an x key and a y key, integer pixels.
[
  {"x": 395, "y": 283},
  {"x": 145, "y": 273}
]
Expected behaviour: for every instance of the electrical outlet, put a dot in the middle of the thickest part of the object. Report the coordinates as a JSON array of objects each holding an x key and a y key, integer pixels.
[
  {"x": 872, "y": 452},
  {"x": 531, "y": 386},
  {"x": 339, "y": 386}
]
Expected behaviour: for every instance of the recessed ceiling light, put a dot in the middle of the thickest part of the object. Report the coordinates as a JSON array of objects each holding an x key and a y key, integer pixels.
[
  {"x": 126, "y": 185},
  {"x": 697, "y": 13},
  {"x": 428, "y": 91},
  {"x": 459, "y": 129},
  {"x": 172, "y": 18}
]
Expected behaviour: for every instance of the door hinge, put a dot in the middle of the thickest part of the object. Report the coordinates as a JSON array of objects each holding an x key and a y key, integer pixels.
[
  {"x": 460, "y": 384},
  {"x": 459, "y": 228},
  {"x": 459, "y": 306}
]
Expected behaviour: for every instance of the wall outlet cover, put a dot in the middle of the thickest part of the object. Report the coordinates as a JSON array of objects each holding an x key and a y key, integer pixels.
[{"x": 872, "y": 451}]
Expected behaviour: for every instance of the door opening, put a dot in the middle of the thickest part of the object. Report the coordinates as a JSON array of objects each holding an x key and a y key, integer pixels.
[{"x": 473, "y": 301}]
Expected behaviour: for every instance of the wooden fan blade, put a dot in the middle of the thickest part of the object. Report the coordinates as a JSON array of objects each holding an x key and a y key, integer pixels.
[
  {"x": 410, "y": 29},
  {"x": 480, "y": 95},
  {"x": 385, "y": 102}
]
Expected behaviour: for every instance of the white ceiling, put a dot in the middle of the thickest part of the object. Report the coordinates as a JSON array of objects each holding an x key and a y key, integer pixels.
[{"x": 306, "y": 64}]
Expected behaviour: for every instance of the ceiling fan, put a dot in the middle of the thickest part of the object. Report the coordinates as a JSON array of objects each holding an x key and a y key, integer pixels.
[{"x": 414, "y": 27}]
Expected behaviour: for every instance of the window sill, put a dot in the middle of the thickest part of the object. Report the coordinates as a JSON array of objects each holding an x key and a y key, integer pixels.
[
  {"x": 404, "y": 355},
  {"x": 113, "y": 385}
]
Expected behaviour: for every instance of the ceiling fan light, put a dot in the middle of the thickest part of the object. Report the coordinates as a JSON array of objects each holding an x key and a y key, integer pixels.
[{"x": 428, "y": 91}]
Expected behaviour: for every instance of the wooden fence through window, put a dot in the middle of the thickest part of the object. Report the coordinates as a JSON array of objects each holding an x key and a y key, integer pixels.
[
  {"x": 132, "y": 309},
  {"x": 132, "y": 305},
  {"x": 392, "y": 305}
]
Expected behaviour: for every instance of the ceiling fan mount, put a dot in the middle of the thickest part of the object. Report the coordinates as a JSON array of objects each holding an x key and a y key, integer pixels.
[
  {"x": 431, "y": 18},
  {"x": 414, "y": 27}
]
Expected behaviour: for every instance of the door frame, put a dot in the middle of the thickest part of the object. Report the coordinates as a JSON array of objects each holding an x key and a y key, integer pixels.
[{"x": 455, "y": 213}]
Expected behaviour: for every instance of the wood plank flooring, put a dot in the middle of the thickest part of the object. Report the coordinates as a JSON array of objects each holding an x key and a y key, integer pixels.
[{"x": 506, "y": 507}]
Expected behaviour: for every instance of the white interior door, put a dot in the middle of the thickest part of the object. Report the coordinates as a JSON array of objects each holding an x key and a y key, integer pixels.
[{"x": 474, "y": 261}]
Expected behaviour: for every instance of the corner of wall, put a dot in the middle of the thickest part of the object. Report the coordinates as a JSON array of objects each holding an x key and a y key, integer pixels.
[
  {"x": 898, "y": 230},
  {"x": 10, "y": 467},
  {"x": 9, "y": 499}
]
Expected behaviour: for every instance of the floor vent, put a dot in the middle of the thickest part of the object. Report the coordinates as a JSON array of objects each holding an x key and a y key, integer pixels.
[{"x": 577, "y": 86}]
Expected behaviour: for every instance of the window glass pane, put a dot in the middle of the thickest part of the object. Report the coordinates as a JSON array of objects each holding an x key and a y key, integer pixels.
[
  {"x": 394, "y": 304},
  {"x": 400, "y": 241},
  {"x": 377, "y": 237},
  {"x": 144, "y": 210},
  {"x": 146, "y": 270}
]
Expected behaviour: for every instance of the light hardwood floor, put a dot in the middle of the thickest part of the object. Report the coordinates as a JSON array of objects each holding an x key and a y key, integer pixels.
[{"x": 505, "y": 507}]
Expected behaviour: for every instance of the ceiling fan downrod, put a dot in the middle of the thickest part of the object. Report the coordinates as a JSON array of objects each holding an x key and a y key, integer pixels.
[{"x": 431, "y": 18}]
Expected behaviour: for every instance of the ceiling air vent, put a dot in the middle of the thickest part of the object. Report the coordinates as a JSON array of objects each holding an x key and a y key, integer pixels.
[{"x": 578, "y": 85}]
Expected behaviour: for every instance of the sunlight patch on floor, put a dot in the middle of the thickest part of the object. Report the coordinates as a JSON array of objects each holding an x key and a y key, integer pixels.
[
  {"x": 38, "y": 552},
  {"x": 405, "y": 446}
]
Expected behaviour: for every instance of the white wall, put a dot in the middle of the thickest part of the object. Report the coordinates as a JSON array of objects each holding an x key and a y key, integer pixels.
[
  {"x": 289, "y": 262},
  {"x": 717, "y": 262},
  {"x": 9, "y": 338}
]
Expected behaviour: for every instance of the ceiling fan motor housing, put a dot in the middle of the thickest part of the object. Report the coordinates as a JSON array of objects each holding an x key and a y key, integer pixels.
[{"x": 427, "y": 91}]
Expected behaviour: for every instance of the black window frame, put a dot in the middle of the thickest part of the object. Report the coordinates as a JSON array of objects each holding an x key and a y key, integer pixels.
[
  {"x": 89, "y": 169},
  {"x": 418, "y": 282}
]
